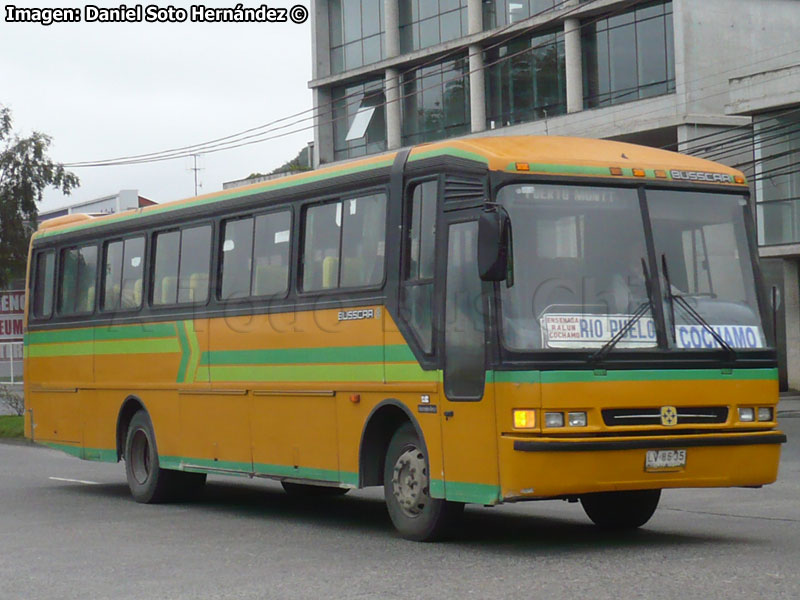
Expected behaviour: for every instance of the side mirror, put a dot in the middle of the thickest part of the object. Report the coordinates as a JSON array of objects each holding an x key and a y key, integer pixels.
[{"x": 494, "y": 244}]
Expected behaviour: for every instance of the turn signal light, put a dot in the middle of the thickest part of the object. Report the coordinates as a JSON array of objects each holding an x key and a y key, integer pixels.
[{"x": 524, "y": 419}]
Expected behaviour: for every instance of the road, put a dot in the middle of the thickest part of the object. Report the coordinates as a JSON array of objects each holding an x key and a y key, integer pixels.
[{"x": 69, "y": 529}]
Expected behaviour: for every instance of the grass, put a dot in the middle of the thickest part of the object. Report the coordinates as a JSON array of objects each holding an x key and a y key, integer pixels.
[{"x": 11, "y": 426}]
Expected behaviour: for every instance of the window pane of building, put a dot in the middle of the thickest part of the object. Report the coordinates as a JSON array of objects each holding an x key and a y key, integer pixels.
[
  {"x": 525, "y": 80},
  {"x": 355, "y": 30},
  {"x": 777, "y": 178},
  {"x": 347, "y": 101},
  {"x": 436, "y": 102},
  {"x": 428, "y": 22},
  {"x": 629, "y": 56}
]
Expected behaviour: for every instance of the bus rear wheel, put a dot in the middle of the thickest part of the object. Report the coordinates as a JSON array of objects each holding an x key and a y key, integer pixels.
[
  {"x": 406, "y": 488},
  {"x": 621, "y": 510},
  {"x": 148, "y": 482}
]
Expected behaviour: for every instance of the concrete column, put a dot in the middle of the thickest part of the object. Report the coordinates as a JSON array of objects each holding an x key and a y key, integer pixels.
[
  {"x": 574, "y": 64},
  {"x": 391, "y": 25},
  {"x": 791, "y": 302},
  {"x": 323, "y": 127},
  {"x": 474, "y": 16},
  {"x": 394, "y": 137},
  {"x": 477, "y": 90}
]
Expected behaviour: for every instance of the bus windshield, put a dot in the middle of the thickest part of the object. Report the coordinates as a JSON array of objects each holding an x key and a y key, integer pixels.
[{"x": 579, "y": 256}]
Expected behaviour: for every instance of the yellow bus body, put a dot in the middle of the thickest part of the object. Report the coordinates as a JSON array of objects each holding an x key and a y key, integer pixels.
[{"x": 288, "y": 395}]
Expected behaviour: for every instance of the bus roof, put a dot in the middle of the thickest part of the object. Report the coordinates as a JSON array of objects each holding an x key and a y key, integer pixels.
[{"x": 549, "y": 155}]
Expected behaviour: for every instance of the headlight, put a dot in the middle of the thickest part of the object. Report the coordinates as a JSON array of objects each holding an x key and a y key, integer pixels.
[
  {"x": 746, "y": 415},
  {"x": 576, "y": 419},
  {"x": 554, "y": 419},
  {"x": 764, "y": 413}
]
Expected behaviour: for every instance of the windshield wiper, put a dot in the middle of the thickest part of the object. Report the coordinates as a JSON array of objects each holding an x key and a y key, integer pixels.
[
  {"x": 684, "y": 304},
  {"x": 640, "y": 311}
]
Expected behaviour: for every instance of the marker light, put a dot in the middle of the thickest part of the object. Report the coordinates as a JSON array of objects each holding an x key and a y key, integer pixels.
[
  {"x": 661, "y": 173},
  {"x": 639, "y": 173},
  {"x": 764, "y": 413},
  {"x": 522, "y": 166},
  {"x": 739, "y": 179},
  {"x": 746, "y": 415},
  {"x": 615, "y": 170},
  {"x": 524, "y": 419},
  {"x": 576, "y": 419},
  {"x": 554, "y": 419}
]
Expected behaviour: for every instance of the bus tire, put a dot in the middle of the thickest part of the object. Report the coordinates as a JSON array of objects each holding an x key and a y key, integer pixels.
[
  {"x": 621, "y": 510},
  {"x": 148, "y": 482},
  {"x": 415, "y": 515},
  {"x": 307, "y": 490}
]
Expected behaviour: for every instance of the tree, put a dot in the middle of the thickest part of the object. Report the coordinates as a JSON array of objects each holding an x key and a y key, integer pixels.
[{"x": 25, "y": 172}]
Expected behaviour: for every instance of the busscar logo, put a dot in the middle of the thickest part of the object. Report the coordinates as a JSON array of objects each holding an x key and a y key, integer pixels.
[
  {"x": 669, "y": 416},
  {"x": 701, "y": 176},
  {"x": 356, "y": 315}
]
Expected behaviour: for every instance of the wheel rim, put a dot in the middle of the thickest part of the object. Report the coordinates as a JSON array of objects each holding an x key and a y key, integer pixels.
[
  {"x": 410, "y": 482},
  {"x": 140, "y": 456}
]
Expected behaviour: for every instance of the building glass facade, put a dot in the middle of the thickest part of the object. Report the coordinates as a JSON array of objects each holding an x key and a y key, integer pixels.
[
  {"x": 347, "y": 102},
  {"x": 436, "y": 101},
  {"x": 525, "y": 80},
  {"x": 499, "y": 13},
  {"x": 629, "y": 56},
  {"x": 356, "y": 33},
  {"x": 425, "y": 23},
  {"x": 777, "y": 177}
]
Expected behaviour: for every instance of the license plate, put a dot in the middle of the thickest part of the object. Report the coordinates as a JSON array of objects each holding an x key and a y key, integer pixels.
[{"x": 660, "y": 460}]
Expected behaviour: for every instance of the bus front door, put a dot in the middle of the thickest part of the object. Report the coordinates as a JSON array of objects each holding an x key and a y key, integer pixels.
[{"x": 468, "y": 414}]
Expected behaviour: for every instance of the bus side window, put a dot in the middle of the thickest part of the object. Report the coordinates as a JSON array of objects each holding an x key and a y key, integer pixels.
[
  {"x": 132, "y": 274},
  {"x": 77, "y": 281},
  {"x": 194, "y": 265},
  {"x": 43, "y": 285},
  {"x": 236, "y": 258},
  {"x": 345, "y": 243},
  {"x": 271, "y": 254},
  {"x": 417, "y": 286}
]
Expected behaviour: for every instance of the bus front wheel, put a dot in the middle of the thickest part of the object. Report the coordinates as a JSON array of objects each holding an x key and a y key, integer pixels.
[
  {"x": 621, "y": 510},
  {"x": 148, "y": 482},
  {"x": 406, "y": 488}
]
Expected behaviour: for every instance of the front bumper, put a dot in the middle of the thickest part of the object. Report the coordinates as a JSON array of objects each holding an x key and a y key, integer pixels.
[{"x": 551, "y": 467}]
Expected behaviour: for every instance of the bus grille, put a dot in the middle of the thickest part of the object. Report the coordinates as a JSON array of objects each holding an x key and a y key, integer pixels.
[{"x": 695, "y": 415}]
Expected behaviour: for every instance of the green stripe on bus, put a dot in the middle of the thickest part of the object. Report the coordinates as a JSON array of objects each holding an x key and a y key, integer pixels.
[
  {"x": 457, "y": 152},
  {"x": 336, "y": 354},
  {"x": 268, "y": 186},
  {"x": 567, "y": 169},
  {"x": 95, "y": 454},
  {"x": 114, "y": 332},
  {"x": 472, "y": 493},
  {"x": 643, "y": 375},
  {"x": 344, "y": 373},
  {"x": 184, "y": 345},
  {"x": 155, "y": 346}
]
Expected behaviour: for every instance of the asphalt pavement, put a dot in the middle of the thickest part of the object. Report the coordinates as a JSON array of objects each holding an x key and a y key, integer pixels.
[{"x": 69, "y": 529}]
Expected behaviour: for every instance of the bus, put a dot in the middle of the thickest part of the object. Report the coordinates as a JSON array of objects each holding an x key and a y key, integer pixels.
[{"x": 472, "y": 321}]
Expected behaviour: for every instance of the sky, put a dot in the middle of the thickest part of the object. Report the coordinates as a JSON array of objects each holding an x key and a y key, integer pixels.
[{"x": 106, "y": 90}]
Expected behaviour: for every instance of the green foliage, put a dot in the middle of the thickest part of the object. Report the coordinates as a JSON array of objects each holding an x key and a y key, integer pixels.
[
  {"x": 11, "y": 426},
  {"x": 25, "y": 172}
]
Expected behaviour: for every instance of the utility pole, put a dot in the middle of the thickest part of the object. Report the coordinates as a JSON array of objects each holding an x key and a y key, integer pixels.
[{"x": 195, "y": 168}]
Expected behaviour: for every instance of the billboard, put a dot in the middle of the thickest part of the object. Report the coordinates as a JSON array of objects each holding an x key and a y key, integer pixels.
[{"x": 12, "y": 307}]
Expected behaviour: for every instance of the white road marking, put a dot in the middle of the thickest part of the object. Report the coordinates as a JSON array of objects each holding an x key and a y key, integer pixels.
[{"x": 75, "y": 480}]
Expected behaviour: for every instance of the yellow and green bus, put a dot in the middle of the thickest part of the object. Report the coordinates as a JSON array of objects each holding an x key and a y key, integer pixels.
[{"x": 480, "y": 320}]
